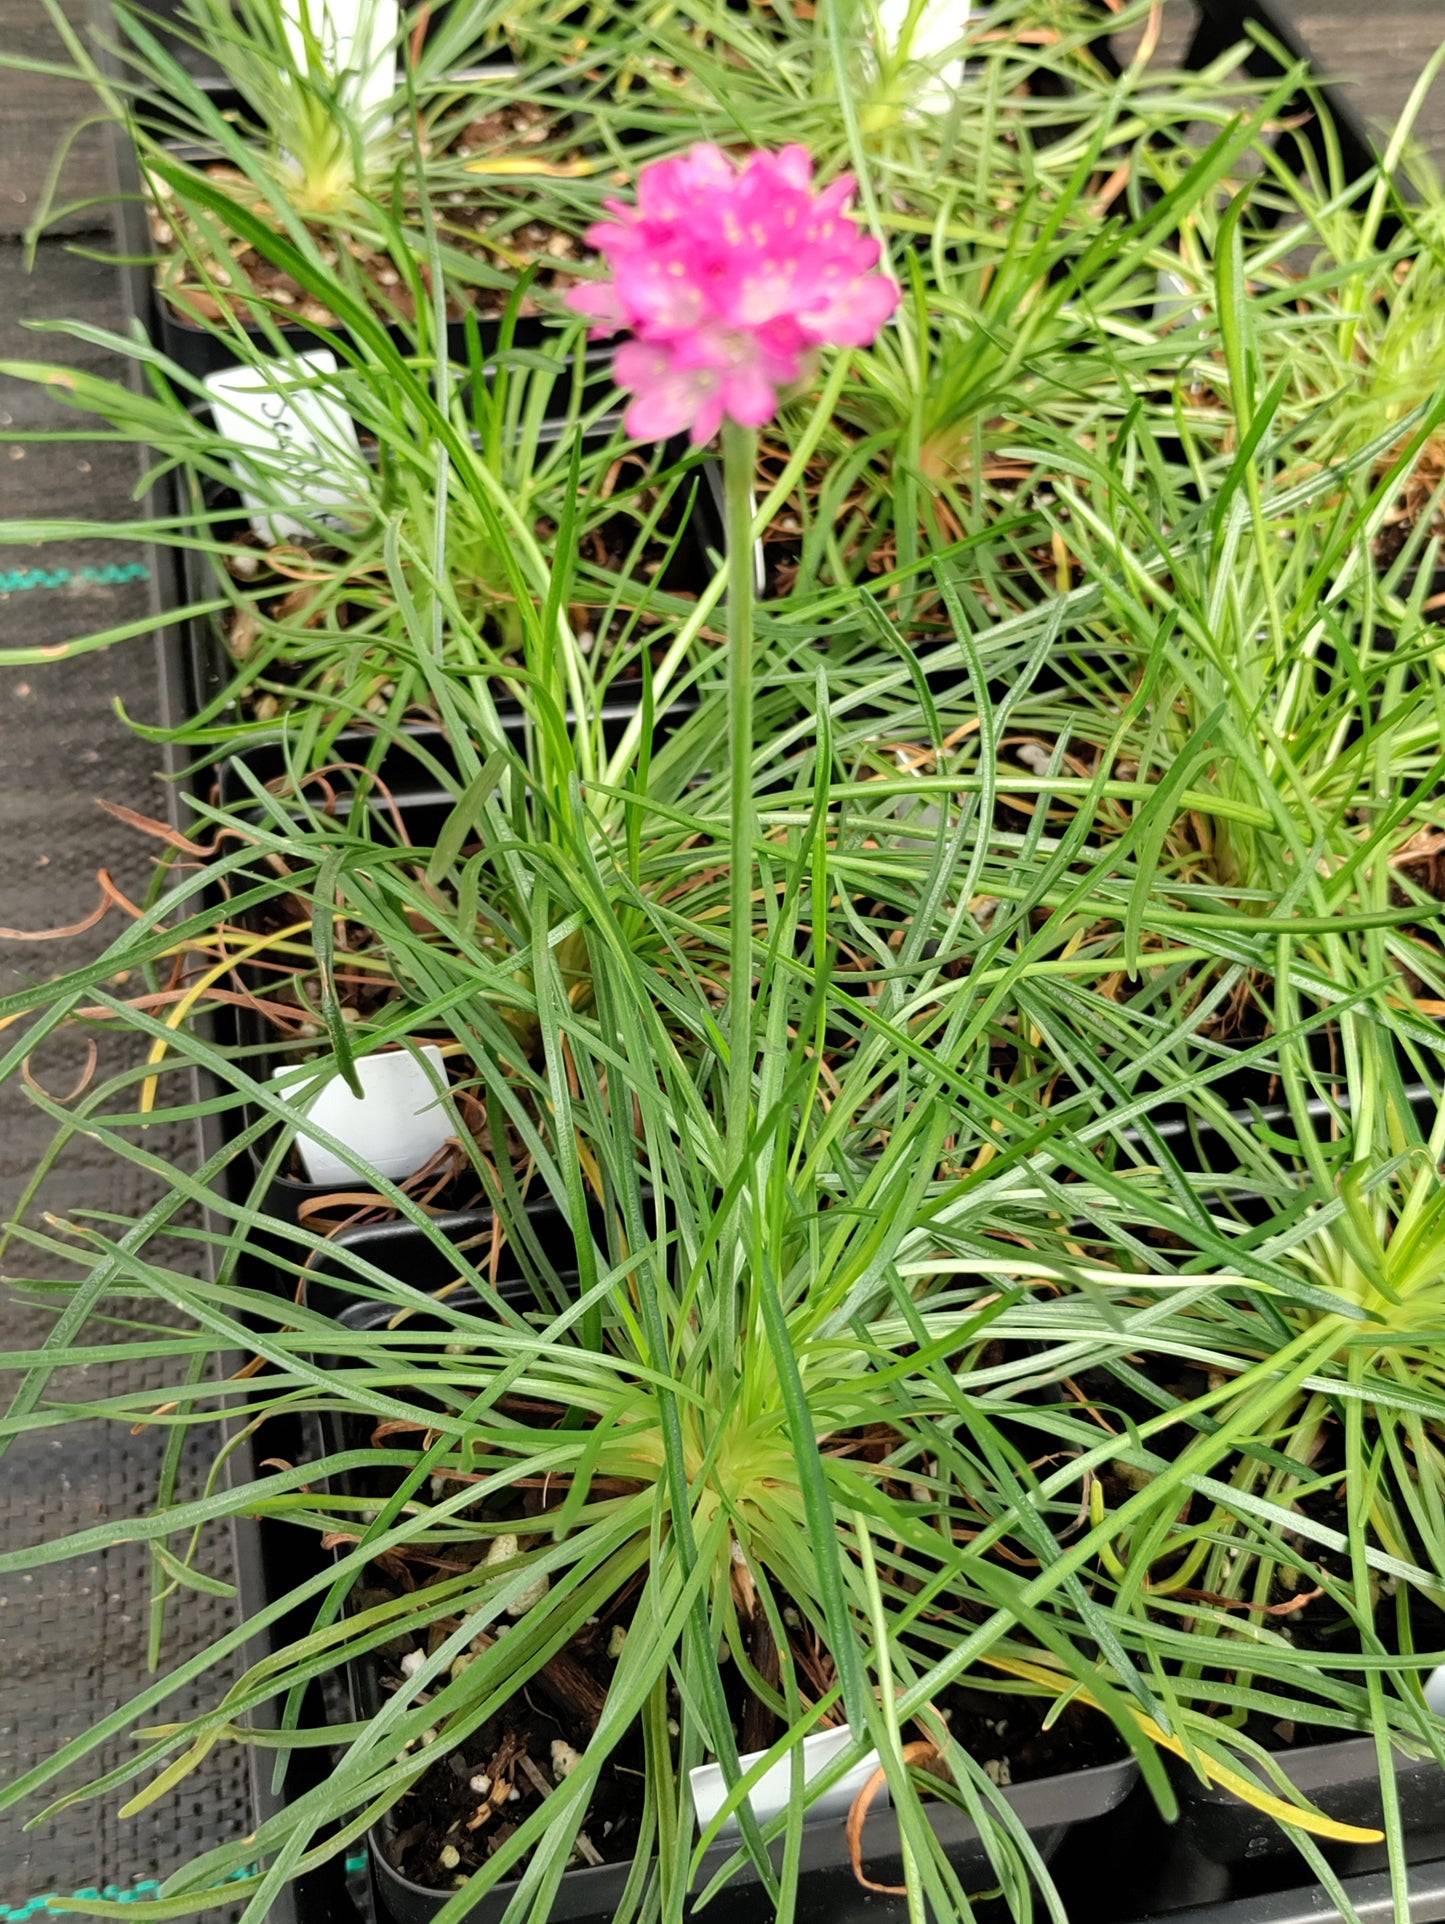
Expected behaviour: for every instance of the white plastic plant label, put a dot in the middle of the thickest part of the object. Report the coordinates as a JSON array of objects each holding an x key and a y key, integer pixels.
[
  {"x": 295, "y": 447},
  {"x": 357, "y": 42},
  {"x": 774, "y": 1788},
  {"x": 937, "y": 26},
  {"x": 396, "y": 1125},
  {"x": 1435, "y": 1691}
]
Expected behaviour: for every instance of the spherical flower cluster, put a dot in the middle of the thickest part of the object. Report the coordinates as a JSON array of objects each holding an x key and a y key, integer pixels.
[{"x": 729, "y": 277}]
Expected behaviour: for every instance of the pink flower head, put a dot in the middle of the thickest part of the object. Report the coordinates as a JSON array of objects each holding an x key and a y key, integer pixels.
[{"x": 729, "y": 277}]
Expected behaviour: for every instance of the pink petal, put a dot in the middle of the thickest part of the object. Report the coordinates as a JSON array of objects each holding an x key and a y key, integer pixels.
[
  {"x": 598, "y": 300},
  {"x": 793, "y": 164},
  {"x": 748, "y": 397},
  {"x": 658, "y": 415},
  {"x": 607, "y": 234},
  {"x": 666, "y": 399},
  {"x": 708, "y": 169},
  {"x": 710, "y": 345},
  {"x": 656, "y": 290},
  {"x": 707, "y": 420},
  {"x": 835, "y": 197},
  {"x": 765, "y": 290},
  {"x": 854, "y": 316},
  {"x": 783, "y": 352},
  {"x": 640, "y": 364},
  {"x": 667, "y": 189}
]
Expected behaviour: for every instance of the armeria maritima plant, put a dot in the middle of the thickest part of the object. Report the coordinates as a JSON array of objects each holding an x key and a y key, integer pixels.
[{"x": 730, "y": 276}]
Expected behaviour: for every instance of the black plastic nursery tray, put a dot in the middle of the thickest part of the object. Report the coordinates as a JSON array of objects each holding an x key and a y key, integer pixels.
[
  {"x": 1220, "y": 1831},
  {"x": 1371, "y": 1899},
  {"x": 828, "y": 1892}
]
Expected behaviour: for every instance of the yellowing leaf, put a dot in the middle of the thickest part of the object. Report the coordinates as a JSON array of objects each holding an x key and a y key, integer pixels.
[
  {"x": 173, "y": 1774},
  {"x": 519, "y": 164},
  {"x": 1300, "y": 1816}
]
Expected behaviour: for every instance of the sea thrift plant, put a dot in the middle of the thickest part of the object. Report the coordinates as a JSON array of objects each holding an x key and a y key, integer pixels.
[{"x": 730, "y": 276}]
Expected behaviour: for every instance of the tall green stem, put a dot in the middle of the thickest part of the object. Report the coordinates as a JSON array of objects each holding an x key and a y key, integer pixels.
[{"x": 740, "y": 447}]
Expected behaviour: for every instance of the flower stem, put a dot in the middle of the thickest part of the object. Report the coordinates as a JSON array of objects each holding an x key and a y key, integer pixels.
[{"x": 740, "y": 447}]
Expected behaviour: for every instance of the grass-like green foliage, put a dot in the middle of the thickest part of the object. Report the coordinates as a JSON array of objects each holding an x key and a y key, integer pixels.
[
  {"x": 291, "y": 136},
  {"x": 731, "y": 1361},
  {"x": 1013, "y": 1248},
  {"x": 720, "y": 1360}
]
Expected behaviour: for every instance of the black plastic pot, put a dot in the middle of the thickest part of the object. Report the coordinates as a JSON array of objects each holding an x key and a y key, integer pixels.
[
  {"x": 404, "y": 778},
  {"x": 1303, "y": 141},
  {"x": 1197, "y": 1145},
  {"x": 400, "y": 772},
  {"x": 698, "y": 544},
  {"x": 828, "y": 1891},
  {"x": 1343, "y": 1779},
  {"x": 1052, "y": 1809},
  {"x": 422, "y": 805},
  {"x": 291, "y": 1200},
  {"x": 404, "y": 1252},
  {"x": 203, "y": 350},
  {"x": 163, "y": 18}
]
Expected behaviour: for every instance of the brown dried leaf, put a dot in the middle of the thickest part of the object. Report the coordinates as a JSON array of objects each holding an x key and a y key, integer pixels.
[{"x": 919, "y": 1753}]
